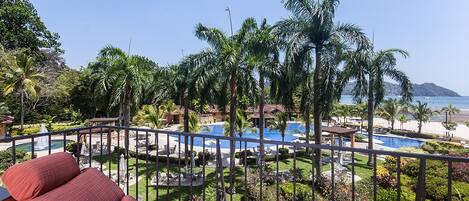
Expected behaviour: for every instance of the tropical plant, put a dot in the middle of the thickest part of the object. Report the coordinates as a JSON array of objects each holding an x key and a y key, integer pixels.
[
  {"x": 403, "y": 119},
  {"x": 390, "y": 110},
  {"x": 4, "y": 110},
  {"x": 369, "y": 68},
  {"x": 124, "y": 76},
  {"x": 149, "y": 115},
  {"x": 280, "y": 123},
  {"x": 466, "y": 123},
  {"x": 242, "y": 124},
  {"x": 194, "y": 123},
  {"x": 422, "y": 113},
  {"x": 21, "y": 76},
  {"x": 312, "y": 27},
  {"x": 449, "y": 111},
  {"x": 48, "y": 120},
  {"x": 264, "y": 48},
  {"x": 227, "y": 58},
  {"x": 449, "y": 126}
]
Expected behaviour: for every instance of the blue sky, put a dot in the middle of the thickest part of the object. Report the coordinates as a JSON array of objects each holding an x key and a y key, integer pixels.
[{"x": 433, "y": 31}]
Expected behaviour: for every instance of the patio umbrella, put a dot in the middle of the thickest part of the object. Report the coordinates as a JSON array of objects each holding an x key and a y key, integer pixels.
[
  {"x": 210, "y": 143},
  {"x": 122, "y": 170}
]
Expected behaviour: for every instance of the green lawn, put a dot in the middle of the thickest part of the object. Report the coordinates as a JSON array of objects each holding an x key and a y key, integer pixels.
[{"x": 173, "y": 193}]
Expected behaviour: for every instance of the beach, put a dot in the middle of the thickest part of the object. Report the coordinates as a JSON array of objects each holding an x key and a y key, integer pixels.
[{"x": 435, "y": 126}]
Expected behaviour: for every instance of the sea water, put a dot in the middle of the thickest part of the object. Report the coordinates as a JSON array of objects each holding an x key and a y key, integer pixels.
[{"x": 435, "y": 102}]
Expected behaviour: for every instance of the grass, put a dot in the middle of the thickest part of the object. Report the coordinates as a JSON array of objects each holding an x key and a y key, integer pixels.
[{"x": 173, "y": 193}]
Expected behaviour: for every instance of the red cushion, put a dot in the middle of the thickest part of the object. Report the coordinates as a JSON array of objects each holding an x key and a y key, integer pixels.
[
  {"x": 89, "y": 185},
  {"x": 33, "y": 178},
  {"x": 128, "y": 198}
]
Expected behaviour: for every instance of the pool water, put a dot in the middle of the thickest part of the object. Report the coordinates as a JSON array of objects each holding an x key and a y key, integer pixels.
[
  {"x": 293, "y": 128},
  {"x": 269, "y": 134},
  {"x": 55, "y": 144},
  {"x": 399, "y": 142}
]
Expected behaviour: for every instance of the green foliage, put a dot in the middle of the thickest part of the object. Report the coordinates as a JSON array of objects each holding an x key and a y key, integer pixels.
[
  {"x": 303, "y": 192},
  {"x": 413, "y": 134},
  {"x": 283, "y": 153},
  {"x": 149, "y": 115},
  {"x": 422, "y": 113},
  {"x": 48, "y": 120},
  {"x": 280, "y": 123},
  {"x": 194, "y": 123},
  {"x": 449, "y": 125},
  {"x": 73, "y": 148},
  {"x": 442, "y": 147},
  {"x": 6, "y": 158},
  {"x": 76, "y": 117},
  {"x": 21, "y": 27}
]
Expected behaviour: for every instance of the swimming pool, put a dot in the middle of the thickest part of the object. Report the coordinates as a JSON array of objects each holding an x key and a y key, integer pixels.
[
  {"x": 394, "y": 142},
  {"x": 55, "y": 144},
  {"x": 398, "y": 142},
  {"x": 269, "y": 134}
]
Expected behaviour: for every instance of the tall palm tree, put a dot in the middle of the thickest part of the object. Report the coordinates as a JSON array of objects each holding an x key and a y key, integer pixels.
[
  {"x": 369, "y": 68},
  {"x": 264, "y": 48},
  {"x": 422, "y": 113},
  {"x": 312, "y": 27},
  {"x": 280, "y": 123},
  {"x": 125, "y": 77},
  {"x": 21, "y": 76},
  {"x": 449, "y": 111},
  {"x": 390, "y": 110},
  {"x": 227, "y": 57}
]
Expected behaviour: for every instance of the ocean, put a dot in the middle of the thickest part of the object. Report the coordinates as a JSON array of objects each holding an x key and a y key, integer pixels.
[{"x": 435, "y": 102}]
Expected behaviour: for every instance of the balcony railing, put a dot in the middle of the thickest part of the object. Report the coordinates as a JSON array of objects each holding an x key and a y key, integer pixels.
[{"x": 155, "y": 165}]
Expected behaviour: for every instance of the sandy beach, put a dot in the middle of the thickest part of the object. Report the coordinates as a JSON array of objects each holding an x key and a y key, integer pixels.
[{"x": 435, "y": 126}]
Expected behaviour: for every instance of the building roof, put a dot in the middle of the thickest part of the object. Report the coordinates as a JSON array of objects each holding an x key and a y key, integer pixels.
[
  {"x": 5, "y": 119},
  {"x": 268, "y": 108},
  {"x": 339, "y": 130}
]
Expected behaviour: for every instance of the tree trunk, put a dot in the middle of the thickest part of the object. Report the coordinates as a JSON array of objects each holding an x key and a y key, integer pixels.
[
  {"x": 392, "y": 124},
  {"x": 261, "y": 117},
  {"x": 420, "y": 127},
  {"x": 370, "y": 118},
  {"x": 317, "y": 111},
  {"x": 283, "y": 139},
  {"x": 186, "y": 127},
  {"x": 126, "y": 113},
  {"x": 22, "y": 111},
  {"x": 233, "y": 96},
  {"x": 240, "y": 145}
]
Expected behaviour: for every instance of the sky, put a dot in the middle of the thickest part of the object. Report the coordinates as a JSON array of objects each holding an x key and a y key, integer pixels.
[{"x": 434, "y": 32}]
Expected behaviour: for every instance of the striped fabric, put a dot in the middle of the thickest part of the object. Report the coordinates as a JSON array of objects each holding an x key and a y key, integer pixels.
[
  {"x": 90, "y": 185},
  {"x": 128, "y": 198},
  {"x": 33, "y": 178}
]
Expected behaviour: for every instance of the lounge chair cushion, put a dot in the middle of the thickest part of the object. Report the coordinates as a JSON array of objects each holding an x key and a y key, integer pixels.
[
  {"x": 33, "y": 178},
  {"x": 128, "y": 198},
  {"x": 91, "y": 184}
]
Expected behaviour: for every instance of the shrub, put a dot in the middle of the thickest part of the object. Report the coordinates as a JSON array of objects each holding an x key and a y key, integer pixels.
[
  {"x": 414, "y": 134},
  {"x": 384, "y": 178},
  {"x": 73, "y": 148},
  {"x": 201, "y": 155},
  {"x": 241, "y": 154},
  {"x": 303, "y": 192},
  {"x": 253, "y": 191},
  {"x": 385, "y": 194},
  {"x": 283, "y": 153},
  {"x": 6, "y": 158}
]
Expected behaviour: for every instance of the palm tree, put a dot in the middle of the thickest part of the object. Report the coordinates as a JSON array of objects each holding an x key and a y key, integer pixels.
[
  {"x": 168, "y": 107},
  {"x": 311, "y": 27},
  {"x": 194, "y": 124},
  {"x": 390, "y": 110},
  {"x": 264, "y": 48},
  {"x": 422, "y": 113},
  {"x": 125, "y": 76},
  {"x": 21, "y": 76},
  {"x": 227, "y": 57},
  {"x": 241, "y": 125},
  {"x": 449, "y": 111},
  {"x": 403, "y": 119},
  {"x": 149, "y": 114},
  {"x": 280, "y": 123},
  {"x": 369, "y": 69}
]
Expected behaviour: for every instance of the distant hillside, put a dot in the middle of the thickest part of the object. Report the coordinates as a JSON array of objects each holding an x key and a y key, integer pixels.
[{"x": 425, "y": 89}]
